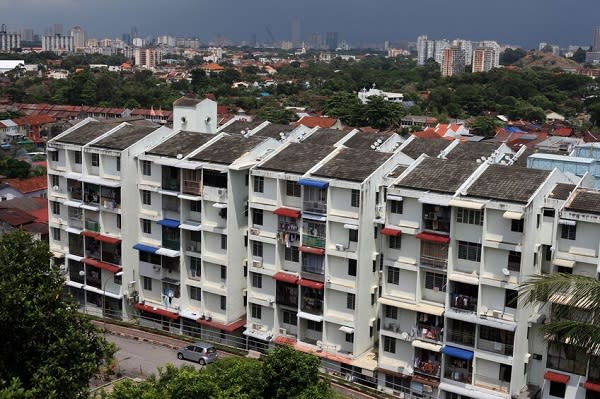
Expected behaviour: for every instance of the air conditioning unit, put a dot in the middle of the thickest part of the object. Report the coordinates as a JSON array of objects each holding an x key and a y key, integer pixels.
[
  {"x": 254, "y": 231},
  {"x": 283, "y": 331},
  {"x": 340, "y": 247},
  {"x": 496, "y": 314}
]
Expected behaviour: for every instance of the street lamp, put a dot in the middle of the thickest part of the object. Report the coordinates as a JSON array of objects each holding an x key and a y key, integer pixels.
[
  {"x": 82, "y": 274},
  {"x": 117, "y": 274}
]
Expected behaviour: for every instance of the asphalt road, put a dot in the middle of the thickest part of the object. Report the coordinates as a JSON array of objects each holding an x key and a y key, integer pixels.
[{"x": 139, "y": 359}]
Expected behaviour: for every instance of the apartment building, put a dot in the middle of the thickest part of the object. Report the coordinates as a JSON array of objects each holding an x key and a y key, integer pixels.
[
  {"x": 453, "y": 61},
  {"x": 58, "y": 43}
]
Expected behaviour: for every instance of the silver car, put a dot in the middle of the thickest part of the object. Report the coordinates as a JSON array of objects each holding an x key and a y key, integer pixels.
[{"x": 200, "y": 352}]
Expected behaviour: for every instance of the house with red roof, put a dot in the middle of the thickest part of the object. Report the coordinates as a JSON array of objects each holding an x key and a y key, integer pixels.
[
  {"x": 320, "y": 121},
  {"x": 31, "y": 187},
  {"x": 36, "y": 126}
]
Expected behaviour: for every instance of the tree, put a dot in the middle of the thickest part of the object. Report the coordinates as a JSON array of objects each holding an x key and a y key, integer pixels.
[
  {"x": 382, "y": 114},
  {"x": 276, "y": 115},
  {"x": 510, "y": 56},
  {"x": 47, "y": 346},
  {"x": 579, "y": 55},
  {"x": 485, "y": 125},
  {"x": 594, "y": 111},
  {"x": 576, "y": 320},
  {"x": 346, "y": 107}
]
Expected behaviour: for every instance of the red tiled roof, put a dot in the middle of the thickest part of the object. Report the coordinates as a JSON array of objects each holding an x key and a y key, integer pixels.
[
  {"x": 34, "y": 120},
  {"x": 41, "y": 215},
  {"x": 231, "y": 327},
  {"x": 212, "y": 67},
  {"x": 314, "y": 121},
  {"x": 563, "y": 131},
  {"x": 156, "y": 310},
  {"x": 29, "y": 185},
  {"x": 15, "y": 216}
]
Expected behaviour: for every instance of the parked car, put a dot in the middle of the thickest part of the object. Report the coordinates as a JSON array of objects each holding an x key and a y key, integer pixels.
[{"x": 200, "y": 352}]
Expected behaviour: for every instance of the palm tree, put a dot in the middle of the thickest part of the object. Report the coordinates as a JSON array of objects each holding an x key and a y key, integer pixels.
[{"x": 575, "y": 308}]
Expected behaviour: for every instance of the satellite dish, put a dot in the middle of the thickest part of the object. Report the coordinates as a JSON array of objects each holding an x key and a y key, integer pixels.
[
  {"x": 379, "y": 141},
  {"x": 179, "y": 156},
  {"x": 506, "y": 272},
  {"x": 478, "y": 161}
]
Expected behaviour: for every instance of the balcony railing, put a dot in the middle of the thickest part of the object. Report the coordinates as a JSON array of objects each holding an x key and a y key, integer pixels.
[
  {"x": 312, "y": 241},
  {"x": 171, "y": 244},
  {"x": 313, "y": 275},
  {"x": 458, "y": 374},
  {"x": 428, "y": 332},
  {"x": 496, "y": 347},
  {"x": 315, "y": 206},
  {"x": 76, "y": 222},
  {"x": 192, "y": 187},
  {"x": 170, "y": 184},
  {"x": 312, "y": 305},
  {"x": 193, "y": 246},
  {"x": 461, "y": 337},
  {"x": 433, "y": 261},
  {"x": 463, "y": 302},
  {"x": 492, "y": 383},
  {"x": 574, "y": 366},
  {"x": 92, "y": 225},
  {"x": 428, "y": 368}
]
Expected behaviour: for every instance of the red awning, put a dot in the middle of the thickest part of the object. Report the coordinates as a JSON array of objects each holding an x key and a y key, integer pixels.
[
  {"x": 282, "y": 340},
  {"x": 107, "y": 239},
  {"x": 556, "y": 377},
  {"x": 102, "y": 265},
  {"x": 592, "y": 386},
  {"x": 311, "y": 284},
  {"x": 91, "y": 234},
  {"x": 292, "y": 213},
  {"x": 433, "y": 238},
  {"x": 285, "y": 277},
  {"x": 390, "y": 232},
  {"x": 231, "y": 327},
  {"x": 157, "y": 310},
  {"x": 311, "y": 250}
]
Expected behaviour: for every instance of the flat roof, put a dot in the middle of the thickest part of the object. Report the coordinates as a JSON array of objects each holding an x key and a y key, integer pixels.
[
  {"x": 181, "y": 143},
  {"x": 440, "y": 175},
  {"x": 228, "y": 148},
  {"x": 431, "y": 147},
  {"x": 126, "y": 136},
  {"x": 508, "y": 183},
  {"x": 297, "y": 158},
  {"x": 325, "y": 137},
  {"x": 352, "y": 164}
]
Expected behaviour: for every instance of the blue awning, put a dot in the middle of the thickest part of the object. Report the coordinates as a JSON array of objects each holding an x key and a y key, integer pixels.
[
  {"x": 457, "y": 352},
  {"x": 145, "y": 248},
  {"x": 313, "y": 183},
  {"x": 169, "y": 223}
]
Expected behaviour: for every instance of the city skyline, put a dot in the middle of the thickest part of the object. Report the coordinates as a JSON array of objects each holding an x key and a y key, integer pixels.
[{"x": 356, "y": 22}]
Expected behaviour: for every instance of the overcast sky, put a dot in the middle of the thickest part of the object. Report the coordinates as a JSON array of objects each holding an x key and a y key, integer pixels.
[{"x": 524, "y": 22}]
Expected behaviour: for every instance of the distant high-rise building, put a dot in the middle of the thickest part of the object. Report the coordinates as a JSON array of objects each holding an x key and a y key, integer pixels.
[
  {"x": 27, "y": 35},
  {"x": 58, "y": 44},
  {"x": 593, "y": 57},
  {"x": 296, "y": 38},
  {"x": 9, "y": 41},
  {"x": 421, "y": 49},
  {"x": 467, "y": 46},
  {"x": 126, "y": 37},
  {"x": 596, "y": 40},
  {"x": 78, "y": 37},
  {"x": 483, "y": 59},
  {"x": 453, "y": 61},
  {"x": 497, "y": 50},
  {"x": 147, "y": 57},
  {"x": 58, "y": 29},
  {"x": 331, "y": 40}
]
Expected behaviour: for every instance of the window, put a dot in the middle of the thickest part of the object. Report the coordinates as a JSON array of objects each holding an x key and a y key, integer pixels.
[
  {"x": 195, "y": 265},
  {"x": 393, "y": 275},
  {"x": 78, "y": 157},
  {"x": 95, "y": 159},
  {"x": 147, "y": 168},
  {"x": 146, "y": 197},
  {"x": 350, "y": 301},
  {"x": 195, "y": 293},
  {"x": 564, "y": 270},
  {"x": 257, "y": 217},
  {"x": 395, "y": 242},
  {"x": 469, "y": 251},
  {"x": 258, "y": 184},
  {"x": 353, "y": 235},
  {"x": 469, "y": 216},
  {"x": 350, "y": 337},
  {"x": 118, "y": 280},
  {"x": 290, "y": 317},
  {"x": 510, "y": 298},
  {"x": 568, "y": 232},
  {"x": 56, "y": 234},
  {"x": 292, "y": 189},
  {"x": 355, "y": 198},
  {"x": 391, "y": 312},
  {"x": 557, "y": 389},
  {"x": 118, "y": 221},
  {"x": 514, "y": 261},
  {"x": 146, "y": 226},
  {"x": 223, "y": 272},
  {"x": 223, "y": 303},
  {"x": 549, "y": 212},
  {"x": 147, "y": 281},
  {"x": 149, "y": 258},
  {"x": 257, "y": 280},
  {"x": 396, "y": 207},
  {"x": 516, "y": 225},
  {"x": 314, "y": 326},
  {"x": 435, "y": 281},
  {"x": 196, "y": 206},
  {"x": 292, "y": 254},
  {"x": 257, "y": 249},
  {"x": 389, "y": 344},
  {"x": 55, "y": 207},
  {"x": 223, "y": 241},
  {"x": 352, "y": 267},
  {"x": 54, "y": 156},
  {"x": 54, "y": 180},
  {"x": 118, "y": 164},
  {"x": 256, "y": 311}
]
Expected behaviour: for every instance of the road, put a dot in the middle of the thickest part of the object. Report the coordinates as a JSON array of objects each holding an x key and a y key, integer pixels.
[{"x": 140, "y": 359}]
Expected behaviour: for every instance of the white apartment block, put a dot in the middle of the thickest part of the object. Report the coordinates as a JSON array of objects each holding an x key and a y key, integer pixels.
[
  {"x": 9, "y": 41},
  {"x": 58, "y": 43},
  {"x": 395, "y": 263}
]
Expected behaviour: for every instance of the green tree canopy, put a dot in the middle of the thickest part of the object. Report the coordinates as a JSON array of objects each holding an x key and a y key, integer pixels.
[{"x": 47, "y": 346}]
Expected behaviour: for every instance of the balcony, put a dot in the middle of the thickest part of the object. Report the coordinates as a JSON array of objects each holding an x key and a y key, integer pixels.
[
  {"x": 170, "y": 243},
  {"x": 170, "y": 184},
  {"x": 491, "y": 383},
  {"x": 75, "y": 222},
  {"x": 433, "y": 262},
  {"x": 436, "y": 218},
  {"x": 457, "y": 373},
  {"x": 495, "y": 347},
  {"x": 312, "y": 305},
  {"x": 430, "y": 333},
  {"x": 315, "y": 206},
  {"x": 461, "y": 337},
  {"x": 313, "y": 241},
  {"x": 92, "y": 225},
  {"x": 192, "y": 187},
  {"x": 429, "y": 367},
  {"x": 573, "y": 366}
]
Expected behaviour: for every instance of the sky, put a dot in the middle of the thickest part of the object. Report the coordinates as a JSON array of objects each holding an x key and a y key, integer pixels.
[{"x": 522, "y": 22}]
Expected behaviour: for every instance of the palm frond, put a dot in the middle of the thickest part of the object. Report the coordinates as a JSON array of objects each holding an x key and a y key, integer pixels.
[{"x": 568, "y": 289}]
